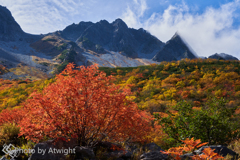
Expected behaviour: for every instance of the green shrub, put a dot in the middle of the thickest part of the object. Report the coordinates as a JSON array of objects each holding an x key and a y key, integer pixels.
[
  {"x": 62, "y": 66},
  {"x": 61, "y": 47},
  {"x": 214, "y": 123}
]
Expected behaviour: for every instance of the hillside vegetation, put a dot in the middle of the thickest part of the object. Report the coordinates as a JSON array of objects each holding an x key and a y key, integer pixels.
[
  {"x": 188, "y": 98},
  {"x": 195, "y": 88},
  {"x": 157, "y": 87}
]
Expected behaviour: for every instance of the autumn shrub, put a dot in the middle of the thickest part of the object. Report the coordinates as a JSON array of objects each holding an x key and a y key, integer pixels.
[
  {"x": 213, "y": 123},
  {"x": 86, "y": 105},
  {"x": 9, "y": 133}
]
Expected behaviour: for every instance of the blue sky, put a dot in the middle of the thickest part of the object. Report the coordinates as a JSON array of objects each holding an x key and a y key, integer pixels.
[{"x": 209, "y": 27}]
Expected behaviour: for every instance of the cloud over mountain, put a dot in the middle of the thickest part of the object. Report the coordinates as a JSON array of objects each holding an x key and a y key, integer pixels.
[{"x": 209, "y": 32}]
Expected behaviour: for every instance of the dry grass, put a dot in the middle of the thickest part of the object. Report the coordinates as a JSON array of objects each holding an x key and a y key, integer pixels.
[
  {"x": 50, "y": 45},
  {"x": 235, "y": 146},
  {"x": 43, "y": 60},
  {"x": 32, "y": 72}
]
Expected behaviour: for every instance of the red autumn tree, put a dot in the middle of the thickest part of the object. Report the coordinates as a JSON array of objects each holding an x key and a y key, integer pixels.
[{"x": 84, "y": 104}]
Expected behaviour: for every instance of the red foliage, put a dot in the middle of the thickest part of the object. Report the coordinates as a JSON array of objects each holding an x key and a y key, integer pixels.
[
  {"x": 11, "y": 116},
  {"x": 84, "y": 104}
]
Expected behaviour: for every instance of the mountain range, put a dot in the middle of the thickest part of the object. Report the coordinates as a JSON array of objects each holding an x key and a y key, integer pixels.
[{"x": 107, "y": 44}]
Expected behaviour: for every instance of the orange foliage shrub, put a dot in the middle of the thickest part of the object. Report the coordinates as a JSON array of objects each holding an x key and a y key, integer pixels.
[{"x": 86, "y": 105}]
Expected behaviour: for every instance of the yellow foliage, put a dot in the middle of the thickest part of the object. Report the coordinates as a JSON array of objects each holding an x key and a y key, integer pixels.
[
  {"x": 164, "y": 73},
  {"x": 8, "y": 133},
  {"x": 11, "y": 102},
  {"x": 183, "y": 72},
  {"x": 237, "y": 94},
  {"x": 22, "y": 97},
  {"x": 192, "y": 81},
  {"x": 161, "y": 97},
  {"x": 166, "y": 67},
  {"x": 152, "y": 105},
  {"x": 153, "y": 64},
  {"x": 218, "y": 93},
  {"x": 141, "y": 82},
  {"x": 130, "y": 97},
  {"x": 148, "y": 87},
  {"x": 180, "y": 84},
  {"x": 170, "y": 94},
  {"x": 158, "y": 136},
  {"x": 131, "y": 80}
]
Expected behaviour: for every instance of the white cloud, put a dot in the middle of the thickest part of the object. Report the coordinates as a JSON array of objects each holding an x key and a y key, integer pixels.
[
  {"x": 207, "y": 33},
  {"x": 133, "y": 15},
  {"x": 43, "y": 16}
]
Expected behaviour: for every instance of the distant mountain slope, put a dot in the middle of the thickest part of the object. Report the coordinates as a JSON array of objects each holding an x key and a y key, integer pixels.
[
  {"x": 175, "y": 49},
  {"x": 223, "y": 56},
  {"x": 115, "y": 36},
  {"x": 9, "y": 28}
]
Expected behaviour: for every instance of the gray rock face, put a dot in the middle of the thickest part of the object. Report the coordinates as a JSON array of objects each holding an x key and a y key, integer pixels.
[
  {"x": 112, "y": 153},
  {"x": 152, "y": 147},
  {"x": 115, "y": 36},
  {"x": 223, "y": 56},
  {"x": 9, "y": 28},
  {"x": 53, "y": 150},
  {"x": 175, "y": 49},
  {"x": 153, "y": 152},
  {"x": 221, "y": 150},
  {"x": 186, "y": 156},
  {"x": 154, "y": 155},
  {"x": 84, "y": 153}
]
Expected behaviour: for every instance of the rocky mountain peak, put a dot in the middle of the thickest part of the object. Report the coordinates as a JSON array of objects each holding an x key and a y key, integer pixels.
[
  {"x": 176, "y": 36},
  {"x": 115, "y": 36},
  {"x": 9, "y": 28},
  {"x": 104, "y": 22},
  {"x": 175, "y": 49},
  {"x": 222, "y": 56},
  {"x": 119, "y": 23}
]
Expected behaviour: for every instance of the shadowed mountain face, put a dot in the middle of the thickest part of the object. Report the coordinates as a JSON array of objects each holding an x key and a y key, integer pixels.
[
  {"x": 9, "y": 28},
  {"x": 175, "y": 49},
  {"x": 222, "y": 56},
  {"x": 115, "y": 36}
]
